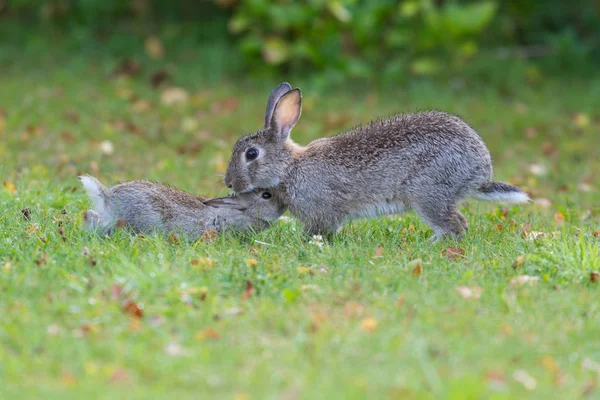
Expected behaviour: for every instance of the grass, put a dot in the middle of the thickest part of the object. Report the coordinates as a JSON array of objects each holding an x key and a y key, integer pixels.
[{"x": 149, "y": 317}]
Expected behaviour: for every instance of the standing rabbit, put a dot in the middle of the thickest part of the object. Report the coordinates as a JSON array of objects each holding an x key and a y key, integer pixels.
[
  {"x": 151, "y": 207},
  {"x": 428, "y": 162}
]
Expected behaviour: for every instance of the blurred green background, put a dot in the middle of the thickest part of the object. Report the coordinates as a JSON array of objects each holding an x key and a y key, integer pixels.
[{"x": 328, "y": 42}]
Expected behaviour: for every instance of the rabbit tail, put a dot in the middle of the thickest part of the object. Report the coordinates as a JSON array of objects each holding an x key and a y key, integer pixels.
[
  {"x": 97, "y": 193},
  {"x": 498, "y": 191}
]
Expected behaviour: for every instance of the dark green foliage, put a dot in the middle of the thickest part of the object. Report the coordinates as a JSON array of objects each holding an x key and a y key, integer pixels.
[{"x": 341, "y": 39}]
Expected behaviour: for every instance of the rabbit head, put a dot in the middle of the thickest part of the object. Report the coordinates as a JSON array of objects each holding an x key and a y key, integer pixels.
[
  {"x": 260, "y": 160},
  {"x": 256, "y": 209}
]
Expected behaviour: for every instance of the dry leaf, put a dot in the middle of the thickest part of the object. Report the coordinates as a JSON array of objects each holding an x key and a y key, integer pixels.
[
  {"x": 119, "y": 376},
  {"x": 67, "y": 379},
  {"x": 207, "y": 333},
  {"x": 542, "y": 203},
  {"x": 140, "y": 106},
  {"x": 175, "y": 350},
  {"x": 518, "y": 262},
  {"x": 550, "y": 364},
  {"x": 173, "y": 96},
  {"x": 158, "y": 77},
  {"x": 107, "y": 147},
  {"x": 203, "y": 263},
  {"x": 523, "y": 280},
  {"x": 596, "y": 233},
  {"x": 378, "y": 251},
  {"x": 154, "y": 47},
  {"x": 369, "y": 324},
  {"x": 525, "y": 379},
  {"x": 26, "y": 213},
  {"x": 400, "y": 302},
  {"x": 209, "y": 236},
  {"x": 127, "y": 67},
  {"x": 594, "y": 276},
  {"x": 538, "y": 169},
  {"x": 452, "y": 253},
  {"x": 559, "y": 219},
  {"x": 116, "y": 291},
  {"x": 416, "y": 267},
  {"x": 249, "y": 291},
  {"x": 173, "y": 239},
  {"x": 466, "y": 292},
  {"x": 353, "y": 309},
  {"x": 10, "y": 187},
  {"x": 131, "y": 307}
]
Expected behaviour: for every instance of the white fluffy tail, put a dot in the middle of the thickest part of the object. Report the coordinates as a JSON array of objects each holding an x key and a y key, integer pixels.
[
  {"x": 498, "y": 191},
  {"x": 97, "y": 193}
]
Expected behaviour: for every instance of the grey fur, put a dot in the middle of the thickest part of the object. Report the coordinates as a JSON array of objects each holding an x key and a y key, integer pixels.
[
  {"x": 428, "y": 162},
  {"x": 149, "y": 207}
]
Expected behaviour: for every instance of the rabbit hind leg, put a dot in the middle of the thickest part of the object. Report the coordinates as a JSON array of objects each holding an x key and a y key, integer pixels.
[{"x": 444, "y": 219}]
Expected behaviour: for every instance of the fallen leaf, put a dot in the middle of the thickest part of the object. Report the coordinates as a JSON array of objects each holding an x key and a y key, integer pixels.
[
  {"x": 67, "y": 379},
  {"x": 495, "y": 378},
  {"x": 559, "y": 219},
  {"x": 127, "y": 67},
  {"x": 538, "y": 169},
  {"x": 526, "y": 229},
  {"x": 203, "y": 263},
  {"x": 158, "y": 78},
  {"x": 207, "y": 333},
  {"x": 594, "y": 276},
  {"x": 400, "y": 302},
  {"x": 518, "y": 262},
  {"x": 174, "y": 96},
  {"x": 209, "y": 236},
  {"x": 131, "y": 307},
  {"x": 249, "y": 291},
  {"x": 596, "y": 233},
  {"x": 353, "y": 309},
  {"x": 175, "y": 350},
  {"x": 585, "y": 187},
  {"x": 26, "y": 213},
  {"x": 550, "y": 364},
  {"x": 452, "y": 253},
  {"x": 10, "y": 187},
  {"x": 466, "y": 292},
  {"x": 173, "y": 239},
  {"x": 140, "y": 106},
  {"x": 416, "y": 267},
  {"x": 369, "y": 324},
  {"x": 119, "y": 376},
  {"x": 581, "y": 120},
  {"x": 523, "y": 280},
  {"x": 115, "y": 291},
  {"x": 525, "y": 379},
  {"x": 227, "y": 105},
  {"x": 53, "y": 330},
  {"x": 378, "y": 251},
  {"x": 542, "y": 203},
  {"x": 251, "y": 262},
  {"x": 534, "y": 235},
  {"x": 154, "y": 47}
]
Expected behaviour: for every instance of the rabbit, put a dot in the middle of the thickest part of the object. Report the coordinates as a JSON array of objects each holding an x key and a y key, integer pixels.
[
  {"x": 428, "y": 162},
  {"x": 151, "y": 207}
]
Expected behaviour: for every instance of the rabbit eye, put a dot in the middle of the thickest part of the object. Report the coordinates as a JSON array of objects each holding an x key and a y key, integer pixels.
[
  {"x": 266, "y": 195},
  {"x": 251, "y": 154}
]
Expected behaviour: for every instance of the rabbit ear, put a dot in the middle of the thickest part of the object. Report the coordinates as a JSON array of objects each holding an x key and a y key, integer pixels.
[
  {"x": 274, "y": 97},
  {"x": 226, "y": 202},
  {"x": 287, "y": 113}
]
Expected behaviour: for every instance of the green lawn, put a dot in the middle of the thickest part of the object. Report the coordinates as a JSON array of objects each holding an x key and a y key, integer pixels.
[{"x": 272, "y": 315}]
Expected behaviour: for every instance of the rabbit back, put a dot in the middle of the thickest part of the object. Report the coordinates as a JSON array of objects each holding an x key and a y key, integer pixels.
[{"x": 387, "y": 166}]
